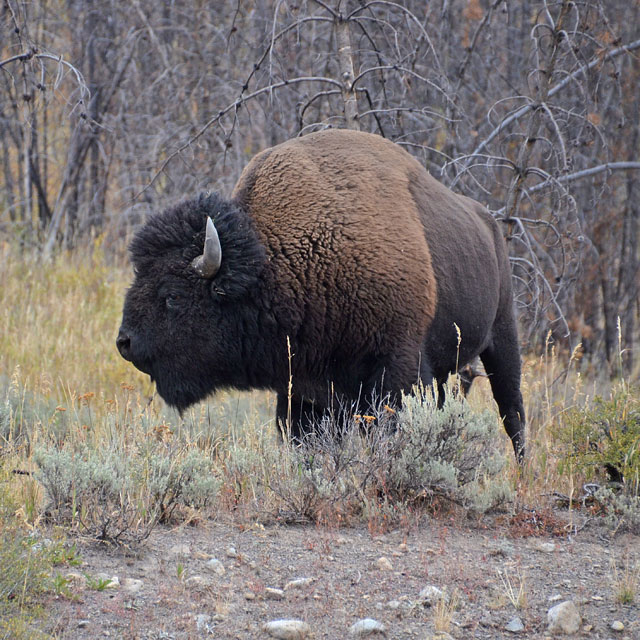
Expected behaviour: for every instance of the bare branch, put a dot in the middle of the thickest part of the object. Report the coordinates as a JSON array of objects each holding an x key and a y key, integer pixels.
[
  {"x": 410, "y": 72},
  {"x": 558, "y": 87},
  {"x": 327, "y": 8},
  {"x": 470, "y": 49},
  {"x": 347, "y": 74},
  {"x": 232, "y": 107},
  {"x": 585, "y": 173},
  {"x": 399, "y": 7},
  {"x": 275, "y": 38},
  {"x": 19, "y": 57}
]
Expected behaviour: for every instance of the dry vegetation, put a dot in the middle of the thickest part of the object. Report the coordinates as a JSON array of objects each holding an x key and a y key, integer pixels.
[{"x": 87, "y": 447}]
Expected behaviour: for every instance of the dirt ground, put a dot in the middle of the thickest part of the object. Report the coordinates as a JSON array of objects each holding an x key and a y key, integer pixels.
[{"x": 168, "y": 591}]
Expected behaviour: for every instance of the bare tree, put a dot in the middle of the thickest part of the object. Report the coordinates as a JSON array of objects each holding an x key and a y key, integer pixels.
[{"x": 110, "y": 109}]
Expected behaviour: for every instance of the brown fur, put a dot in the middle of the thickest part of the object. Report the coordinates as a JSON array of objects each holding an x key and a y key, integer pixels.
[{"x": 333, "y": 211}]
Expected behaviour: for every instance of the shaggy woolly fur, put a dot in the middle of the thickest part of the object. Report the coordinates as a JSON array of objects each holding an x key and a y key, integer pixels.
[{"x": 342, "y": 244}]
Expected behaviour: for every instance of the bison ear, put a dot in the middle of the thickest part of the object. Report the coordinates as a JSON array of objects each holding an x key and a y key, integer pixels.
[{"x": 207, "y": 265}]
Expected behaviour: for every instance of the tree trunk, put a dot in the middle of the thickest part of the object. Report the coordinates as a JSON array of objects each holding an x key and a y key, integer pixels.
[{"x": 347, "y": 75}]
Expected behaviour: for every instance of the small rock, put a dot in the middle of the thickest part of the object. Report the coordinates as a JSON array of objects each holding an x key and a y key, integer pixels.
[
  {"x": 384, "y": 564},
  {"x": 249, "y": 595},
  {"x": 216, "y": 566},
  {"x": 502, "y": 549},
  {"x": 430, "y": 595},
  {"x": 273, "y": 594},
  {"x": 544, "y": 547},
  {"x": 181, "y": 550},
  {"x": 555, "y": 597},
  {"x": 132, "y": 585},
  {"x": 43, "y": 544},
  {"x": 202, "y": 621},
  {"x": 616, "y": 625},
  {"x": 298, "y": 583},
  {"x": 231, "y": 552},
  {"x": 287, "y": 629},
  {"x": 197, "y": 582},
  {"x": 367, "y": 627},
  {"x": 563, "y": 618},
  {"x": 393, "y": 604},
  {"x": 83, "y": 623},
  {"x": 402, "y": 547},
  {"x": 515, "y": 625}
]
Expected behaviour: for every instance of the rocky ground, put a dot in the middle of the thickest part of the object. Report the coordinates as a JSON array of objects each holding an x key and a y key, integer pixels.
[{"x": 480, "y": 580}]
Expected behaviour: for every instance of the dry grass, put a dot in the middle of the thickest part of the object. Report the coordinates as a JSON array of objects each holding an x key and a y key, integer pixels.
[
  {"x": 626, "y": 580},
  {"x": 514, "y": 588},
  {"x": 66, "y": 385},
  {"x": 444, "y": 610},
  {"x": 60, "y": 320}
]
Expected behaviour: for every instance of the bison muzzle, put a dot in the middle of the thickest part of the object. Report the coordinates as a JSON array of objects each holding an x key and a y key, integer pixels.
[{"x": 339, "y": 265}]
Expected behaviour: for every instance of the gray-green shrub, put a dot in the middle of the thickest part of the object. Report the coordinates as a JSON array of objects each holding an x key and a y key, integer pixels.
[
  {"x": 119, "y": 495},
  {"x": 381, "y": 470},
  {"x": 451, "y": 452}
]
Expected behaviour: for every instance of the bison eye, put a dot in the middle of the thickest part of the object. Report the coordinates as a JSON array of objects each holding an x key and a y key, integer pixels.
[{"x": 173, "y": 301}]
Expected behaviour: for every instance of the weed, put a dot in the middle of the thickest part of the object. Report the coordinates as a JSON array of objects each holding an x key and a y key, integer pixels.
[
  {"x": 604, "y": 441},
  {"x": 514, "y": 588},
  {"x": 59, "y": 554},
  {"x": 25, "y": 574},
  {"x": 176, "y": 480},
  {"x": 443, "y": 611},
  {"x": 97, "y": 583},
  {"x": 449, "y": 452},
  {"x": 601, "y": 444},
  {"x": 626, "y": 582},
  {"x": 382, "y": 466},
  {"x": 120, "y": 493},
  {"x": 60, "y": 586},
  {"x": 534, "y": 522}
]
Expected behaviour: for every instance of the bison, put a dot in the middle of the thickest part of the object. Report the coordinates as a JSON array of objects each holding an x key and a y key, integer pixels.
[{"x": 339, "y": 265}]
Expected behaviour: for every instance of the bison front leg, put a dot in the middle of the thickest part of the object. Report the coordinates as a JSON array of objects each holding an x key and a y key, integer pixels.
[
  {"x": 428, "y": 378},
  {"x": 296, "y": 417},
  {"x": 501, "y": 361}
]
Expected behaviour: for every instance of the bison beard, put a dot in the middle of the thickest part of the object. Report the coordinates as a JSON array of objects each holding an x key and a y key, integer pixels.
[{"x": 338, "y": 264}]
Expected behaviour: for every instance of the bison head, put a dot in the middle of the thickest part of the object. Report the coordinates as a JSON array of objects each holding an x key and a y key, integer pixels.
[{"x": 197, "y": 268}]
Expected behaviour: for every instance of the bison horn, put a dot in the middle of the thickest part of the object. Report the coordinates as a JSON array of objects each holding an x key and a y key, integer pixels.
[{"x": 207, "y": 265}]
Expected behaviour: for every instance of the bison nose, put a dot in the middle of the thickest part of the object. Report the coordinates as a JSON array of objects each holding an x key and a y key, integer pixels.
[{"x": 123, "y": 342}]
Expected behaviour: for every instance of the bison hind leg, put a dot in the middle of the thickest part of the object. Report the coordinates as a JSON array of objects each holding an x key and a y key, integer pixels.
[
  {"x": 435, "y": 381},
  {"x": 501, "y": 360}
]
